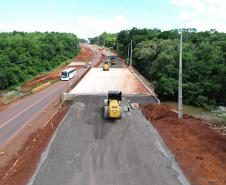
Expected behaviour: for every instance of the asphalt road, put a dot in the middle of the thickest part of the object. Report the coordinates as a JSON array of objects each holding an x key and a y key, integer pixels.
[
  {"x": 19, "y": 114},
  {"x": 88, "y": 150}
]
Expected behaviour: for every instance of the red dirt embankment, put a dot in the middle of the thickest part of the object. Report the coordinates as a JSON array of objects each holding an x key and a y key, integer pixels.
[
  {"x": 199, "y": 150},
  {"x": 86, "y": 54}
]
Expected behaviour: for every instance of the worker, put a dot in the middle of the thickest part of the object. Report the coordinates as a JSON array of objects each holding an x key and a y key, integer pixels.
[{"x": 128, "y": 105}]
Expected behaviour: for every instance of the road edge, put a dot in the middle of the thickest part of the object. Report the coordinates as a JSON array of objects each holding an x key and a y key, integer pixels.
[
  {"x": 44, "y": 155},
  {"x": 165, "y": 151}
]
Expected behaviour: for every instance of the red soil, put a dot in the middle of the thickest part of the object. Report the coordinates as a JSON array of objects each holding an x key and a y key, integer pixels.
[
  {"x": 86, "y": 54},
  {"x": 199, "y": 150}
]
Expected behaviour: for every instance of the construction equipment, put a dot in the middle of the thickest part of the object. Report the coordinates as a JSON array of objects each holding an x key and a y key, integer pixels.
[
  {"x": 106, "y": 66},
  {"x": 112, "y": 105},
  {"x": 113, "y": 60}
]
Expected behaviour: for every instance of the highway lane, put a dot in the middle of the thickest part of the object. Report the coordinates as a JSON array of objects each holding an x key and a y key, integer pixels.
[{"x": 19, "y": 114}]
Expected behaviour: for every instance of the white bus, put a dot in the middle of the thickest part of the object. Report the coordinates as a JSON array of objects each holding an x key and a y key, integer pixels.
[{"x": 67, "y": 74}]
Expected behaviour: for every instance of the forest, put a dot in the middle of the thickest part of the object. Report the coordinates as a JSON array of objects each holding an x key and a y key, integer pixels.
[
  {"x": 25, "y": 55},
  {"x": 156, "y": 57}
]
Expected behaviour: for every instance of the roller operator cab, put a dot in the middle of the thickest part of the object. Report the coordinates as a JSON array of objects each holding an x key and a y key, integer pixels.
[{"x": 112, "y": 105}]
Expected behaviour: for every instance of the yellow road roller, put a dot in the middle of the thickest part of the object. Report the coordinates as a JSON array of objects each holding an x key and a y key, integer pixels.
[
  {"x": 106, "y": 66},
  {"x": 112, "y": 105}
]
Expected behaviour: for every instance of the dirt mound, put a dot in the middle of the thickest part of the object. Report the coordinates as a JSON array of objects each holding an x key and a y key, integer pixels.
[
  {"x": 161, "y": 107},
  {"x": 199, "y": 150},
  {"x": 157, "y": 112}
]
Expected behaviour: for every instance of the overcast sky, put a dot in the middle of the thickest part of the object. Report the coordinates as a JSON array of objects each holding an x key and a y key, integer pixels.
[{"x": 88, "y": 18}]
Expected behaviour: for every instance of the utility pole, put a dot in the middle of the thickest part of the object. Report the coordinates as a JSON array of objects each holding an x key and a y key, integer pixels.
[
  {"x": 180, "y": 103},
  {"x": 131, "y": 53},
  {"x": 117, "y": 46},
  {"x": 128, "y": 55}
]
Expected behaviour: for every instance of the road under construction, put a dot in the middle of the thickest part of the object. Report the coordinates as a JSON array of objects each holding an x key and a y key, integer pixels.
[{"x": 87, "y": 149}]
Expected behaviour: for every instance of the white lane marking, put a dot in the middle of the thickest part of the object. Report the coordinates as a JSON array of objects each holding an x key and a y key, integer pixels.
[{"x": 5, "y": 123}]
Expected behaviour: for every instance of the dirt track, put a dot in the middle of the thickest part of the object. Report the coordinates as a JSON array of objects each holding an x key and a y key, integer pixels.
[{"x": 200, "y": 151}]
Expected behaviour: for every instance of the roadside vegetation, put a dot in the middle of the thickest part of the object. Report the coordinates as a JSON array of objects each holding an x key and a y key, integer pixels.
[
  {"x": 26, "y": 55},
  {"x": 156, "y": 55}
]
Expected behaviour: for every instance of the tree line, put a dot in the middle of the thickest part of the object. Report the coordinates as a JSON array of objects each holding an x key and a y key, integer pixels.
[
  {"x": 105, "y": 39},
  {"x": 156, "y": 56},
  {"x": 24, "y": 55}
]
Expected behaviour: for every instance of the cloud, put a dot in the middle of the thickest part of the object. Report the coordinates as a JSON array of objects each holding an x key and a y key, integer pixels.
[
  {"x": 202, "y": 14},
  {"x": 89, "y": 26}
]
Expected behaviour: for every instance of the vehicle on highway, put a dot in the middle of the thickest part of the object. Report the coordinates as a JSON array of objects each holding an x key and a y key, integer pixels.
[
  {"x": 67, "y": 74},
  {"x": 112, "y": 105},
  {"x": 113, "y": 60},
  {"x": 106, "y": 66}
]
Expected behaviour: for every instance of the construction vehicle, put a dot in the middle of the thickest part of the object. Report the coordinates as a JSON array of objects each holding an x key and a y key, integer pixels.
[
  {"x": 106, "y": 66},
  {"x": 112, "y": 105},
  {"x": 113, "y": 60}
]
